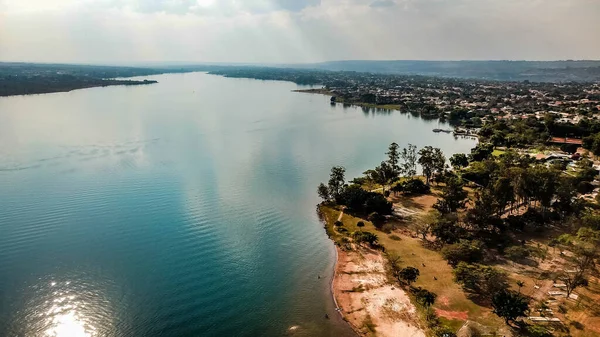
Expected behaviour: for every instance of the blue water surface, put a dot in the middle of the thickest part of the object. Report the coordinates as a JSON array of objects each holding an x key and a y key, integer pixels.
[{"x": 183, "y": 208}]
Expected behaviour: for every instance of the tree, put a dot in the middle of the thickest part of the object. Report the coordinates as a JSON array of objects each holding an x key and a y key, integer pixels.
[
  {"x": 459, "y": 160},
  {"x": 463, "y": 251},
  {"x": 408, "y": 275},
  {"x": 394, "y": 157},
  {"x": 510, "y": 305},
  {"x": 384, "y": 174},
  {"x": 323, "y": 192},
  {"x": 565, "y": 195},
  {"x": 423, "y": 296},
  {"x": 409, "y": 159},
  {"x": 453, "y": 198},
  {"x": 432, "y": 160},
  {"x": 520, "y": 284},
  {"x": 592, "y": 143},
  {"x": 446, "y": 229},
  {"x": 479, "y": 279},
  {"x": 503, "y": 191},
  {"x": 481, "y": 152},
  {"x": 337, "y": 181},
  {"x": 583, "y": 261}
]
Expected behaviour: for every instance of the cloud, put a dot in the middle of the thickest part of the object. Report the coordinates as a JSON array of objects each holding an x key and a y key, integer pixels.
[
  {"x": 287, "y": 31},
  {"x": 382, "y": 3}
]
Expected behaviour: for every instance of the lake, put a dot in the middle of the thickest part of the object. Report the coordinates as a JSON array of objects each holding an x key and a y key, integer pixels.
[{"x": 183, "y": 208}]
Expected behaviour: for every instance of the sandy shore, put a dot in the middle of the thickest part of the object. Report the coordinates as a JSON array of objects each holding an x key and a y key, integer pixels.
[{"x": 371, "y": 305}]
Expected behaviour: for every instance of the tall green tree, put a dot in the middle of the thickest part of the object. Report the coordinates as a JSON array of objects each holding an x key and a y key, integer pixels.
[
  {"x": 337, "y": 181},
  {"x": 581, "y": 264},
  {"x": 384, "y": 175},
  {"x": 432, "y": 160},
  {"x": 409, "y": 160},
  {"x": 323, "y": 192},
  {"x": 459, "y": 160},
  {"x": 408, "y": 275},
  {"x": 453, "y": 198},
  {"x": 394, "y": 157}
]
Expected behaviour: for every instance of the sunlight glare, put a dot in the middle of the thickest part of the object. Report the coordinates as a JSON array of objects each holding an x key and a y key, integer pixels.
[{"x": 67, "y": 325}]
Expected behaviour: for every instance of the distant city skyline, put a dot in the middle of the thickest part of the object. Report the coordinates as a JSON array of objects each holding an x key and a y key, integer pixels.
[{"x": 296, "y": 31}]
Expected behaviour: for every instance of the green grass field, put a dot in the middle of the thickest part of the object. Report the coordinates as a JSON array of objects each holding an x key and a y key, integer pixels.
[{"x": 435, "y": 276}]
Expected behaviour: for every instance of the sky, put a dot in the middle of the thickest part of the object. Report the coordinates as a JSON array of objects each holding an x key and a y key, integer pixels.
[{"x": 296, "y": 31}]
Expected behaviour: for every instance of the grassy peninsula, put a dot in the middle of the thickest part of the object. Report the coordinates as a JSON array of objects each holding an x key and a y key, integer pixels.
[{"x": 501, "y": 244}]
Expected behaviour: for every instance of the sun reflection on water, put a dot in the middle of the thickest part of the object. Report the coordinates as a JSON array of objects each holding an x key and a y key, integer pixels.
[
  {"x": 63, "y": 317},
  {"x": 78, "y": 306},
  {"x": 68, "y": 325}
]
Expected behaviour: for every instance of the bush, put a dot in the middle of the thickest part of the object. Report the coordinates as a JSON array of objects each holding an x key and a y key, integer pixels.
[
  {"x": 358, "y": 200},
  {"x": 538, "y": 331},
  {"x": 517, "y": 253},
  {"x": 395, "y": 237},
  {"x": 412, "y": 186},
  {"x": 338, "y": 223},
  {"x": 360, "y": 224},
  {"x": 463, "y": 251},
  {"x": 377, "y": 219},
  {"x": 365, "y": 237}
]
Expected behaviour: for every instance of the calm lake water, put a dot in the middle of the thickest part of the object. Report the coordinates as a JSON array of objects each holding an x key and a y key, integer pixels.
[{"x": 184, "y": 208}]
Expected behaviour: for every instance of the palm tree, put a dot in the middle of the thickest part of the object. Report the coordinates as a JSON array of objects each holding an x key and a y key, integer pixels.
[{"x": 520, "y": 284}]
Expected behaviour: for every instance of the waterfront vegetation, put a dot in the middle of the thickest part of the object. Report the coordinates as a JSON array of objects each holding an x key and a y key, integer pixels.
[
  {"x": 500, "y": 239},
  {"x": 18, "y": 78}
]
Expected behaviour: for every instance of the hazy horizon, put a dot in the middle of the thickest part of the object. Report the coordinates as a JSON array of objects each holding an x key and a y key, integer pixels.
[
  {"x": 128, "y": 32},
  {"x": 257, "y": 64}
]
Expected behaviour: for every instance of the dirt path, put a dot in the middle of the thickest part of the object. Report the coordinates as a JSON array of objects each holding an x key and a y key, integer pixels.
[{"x": 341, "y": 215}]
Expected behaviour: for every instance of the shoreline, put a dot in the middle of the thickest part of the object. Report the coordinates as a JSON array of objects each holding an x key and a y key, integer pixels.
[
  {"x": 79, "y": 86},
  {"x": 325, "y": 92},
  {"x": 367, "y": 301},
  {"x": 363, "y": 297}
]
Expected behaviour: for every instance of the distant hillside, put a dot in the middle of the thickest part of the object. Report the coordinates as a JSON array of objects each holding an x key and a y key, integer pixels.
[{"x": 538, "y": 71}]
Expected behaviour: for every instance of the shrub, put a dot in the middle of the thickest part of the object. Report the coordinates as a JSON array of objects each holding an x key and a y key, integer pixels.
[
  {"x": 395, "y": 237},
  {"x": 338, "y": 223},
  {"x": 517, "y": 253},
  {"x": 538, "y": 331},
  {"x": 358, "y": 200},
  {"x": 412, "y": 186},
  {"x": 377, "y": 219},
  {"x": 360, "y": 224},
  {"x": 365, "y": 237}
]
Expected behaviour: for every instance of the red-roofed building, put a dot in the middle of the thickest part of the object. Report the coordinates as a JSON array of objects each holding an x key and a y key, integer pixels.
[{"x": 565, "y": 140}]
